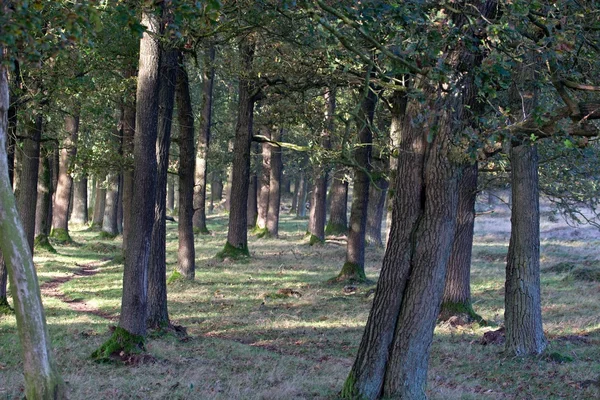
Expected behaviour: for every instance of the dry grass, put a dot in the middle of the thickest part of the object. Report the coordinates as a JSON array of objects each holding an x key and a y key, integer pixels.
[{"x": 248, "y": 340}]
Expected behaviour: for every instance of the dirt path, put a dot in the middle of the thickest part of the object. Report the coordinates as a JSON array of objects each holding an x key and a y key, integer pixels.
[{"x": 51, "y": 288}]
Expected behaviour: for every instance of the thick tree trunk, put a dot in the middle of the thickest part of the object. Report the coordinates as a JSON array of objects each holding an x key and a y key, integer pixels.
[
  {"x": 99, "y": 203},
  {"x": 457, "y": 289},
  {"x": 80, "y": 201},
  {"x": 127, "y": 148},
  {"x": 27, "y": 194},
  {"x": 338, "y": 207},
  {"x": 265, "y": 181},
  {"x": 523, "y": 311},
  {"x": 42, "y": 380},
  {"x": 252, "y": 201},
  {"x": 237, "y": 235},
  {"x": 111, "y": 204},
  {"x": 208, "y": 77},
  {"x": 354, "y": 267},
  {"x": 158, "y": 315},
  {"x": 62, "y": 197},
  {"x": 275, "y": 186},
  {"x": 375, "y": 212},
  {"x": 318, "y": 203},
  {"x": 186, "y": 253},
  {"x": 43, "y": 206}
]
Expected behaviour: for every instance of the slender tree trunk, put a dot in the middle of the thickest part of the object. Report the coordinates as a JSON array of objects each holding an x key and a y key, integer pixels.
[
  {"x": 338, "y": 208},
  {"x": 375, "y": 212},
  {"x": 294, "y": 206},
  {"x": 186, "y": 253},
  {"x": 170, "y": 193},
  {"x": 275, "y": 186},
  {"x": 252, "y": 201},
  {"x": 354, "y": 267},
  {"x": 229, "y": 182},
  {"x": 44, "y": 202},
  {"x": 99, "y": 203},
  {"x": 27, "y": 195},
  {"x": 457, "y": 290},
  {"x": 62, "y": 197},
  {"x": 318, "y": 202},
  {"x": 80, "y": 201},
  {"x": 302, "y": 196},
  {"x": 237, "y": 235},
  {"x": 120, "y": 205},
  {"x": 158, "y": 315},
  {"x": 111, "y": 204},
  {"x": 216, "y": 191},
  {"x": 523, "y": 311},
  {"x": 42, "y": 380},
  {"x": 208, "y": 77},
  {"x": 265, "y": 181}
]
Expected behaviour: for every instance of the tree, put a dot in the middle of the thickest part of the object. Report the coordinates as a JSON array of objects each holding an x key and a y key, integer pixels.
[
  {"x": 275, "y": 175},
  {"x": 338, "y": 209},
  {"x": 43, "y": 213}
]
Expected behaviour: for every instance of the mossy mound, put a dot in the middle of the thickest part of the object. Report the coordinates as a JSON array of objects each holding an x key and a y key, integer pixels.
[
  {"x": 559, "y": 358},
  {"x": 41, "y": 242},
  {"x": 120, "y": 343},
  {"x": 336, "y": 229},
  {"x": 175, "y": 276},
  {"x": 351, "y": 273},
  {"x": 107, "y": 235},
  {"x": 260, "y": 232},
  {"x": 103, "y": 248},
  {"x": 232, "y": 252},
  {"x": 315, "y": 240},
  {"x": 61, "y": 236},
  {"x": 585, "y": 274},
  {"x": 561, "y": 268},
  {"x": 450, "y": 309},
  {"x": 201, "y": 231}
]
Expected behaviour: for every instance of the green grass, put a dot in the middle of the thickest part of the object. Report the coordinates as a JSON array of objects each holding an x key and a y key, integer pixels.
[{"x": 248, "y": 340}]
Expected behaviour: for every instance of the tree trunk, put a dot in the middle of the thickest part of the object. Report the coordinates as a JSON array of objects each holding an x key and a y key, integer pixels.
[
  {"x": 252, "y": 201},
  {"x": 216, "y": 191},
  {"x": 294, "y": 206},
  {"x": 208, "y": 77},
  {"x": 80, "y": 201},
  {"x": 302, "y": 196},
  {"x": 338, "y": 208},
  {"x": 186, "y": 253},
  {"x": 265, "y": 181},
  {"x": 228, "y": 185},
  {"x": 44, "y": 202},
  {"x": 99, "y": 203},
  {"x": 377, "y": 195},
  {"x": 62, "y": 197},
  {"x": 158, "y": 315},
  {"x": 457, "y": 290},
  {"x": 318, "y": 202},
  {"x": 127, "y": 148},
  {"x": 274, "y": 186},
  {"x": 170, "y": 193},
  {"x": 42, "y": 380},
  {"x": 27, "y": 195},
  {"x": 111, "y": 204},
  {"x": 354, "y": 267},
  {"x": 237, "y": 235},
  {"x": 523, "y": 311}
]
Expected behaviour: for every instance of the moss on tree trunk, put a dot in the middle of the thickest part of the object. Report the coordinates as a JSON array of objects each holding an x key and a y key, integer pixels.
[
  {"x": 121, "y": 341},
  {"x": 235, "y": 253}
]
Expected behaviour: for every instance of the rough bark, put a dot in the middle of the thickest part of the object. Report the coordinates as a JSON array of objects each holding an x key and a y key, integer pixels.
[
  {"x": 265, "y": 180},
  {"x": 354, "y": 267},
  {"x": 157, "y": 313},
  {"x": 294, "y": 206},
  {"x": 62, "y": 196},
  {"x": 275, "y": 186},
  {"x": 44, "y": 202},
  {"x": 127, "y": 148},
  {"x": 375, "y": 211},
  {"x": 216, "y": 191},
  {"x": 99, "y": 203},
  {"x": 186, "y": 253},
  {"x": 302, "y": 195},
  {"x": 80, "y": 201},
  {"x": 252, "y": 201},
  {"x": 42, "y": 380},
  {"x": 457, "y": 290},
  {"x": 170, "y": 193},
  {"x": 27, "y": 194},
  {"x": 338, "y": 204},
  {"x": 237, "y": 236},
  {"x": 523, "y": 310},
  {"x": 111, "y": 204},
  {"x": 318, "y": 202},
  {"x": 208, "y": 77}
]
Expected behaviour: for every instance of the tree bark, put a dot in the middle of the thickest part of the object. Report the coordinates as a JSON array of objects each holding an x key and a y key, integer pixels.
[
  {"x": 275, "y": 186},
  {"x": 252, "y": 201},
  {"x": 265, "y": 181},
  {"x": 294, "y": 206},
  {"x": 216, "y": 191},
  {"x": 111, "y": 204},
  {"x": 170, "y": 193},
  {"x": 237, "y": 235},
  {"x": 43, "y": 206},
  {"x": 354, "y": 267},
  {"x": 208, "y": 77},
  {"x": 338, "y": 208},
  {"x": 42, "y": 380},
  {"x": 302, "y": 196},
  {"x": 129, "y": 117},
  {"x": 186, "y": 253},
  {"x": 318, "y": 202},
  {"x": 27, "y": 194},
  {"x": 375, "y": 211},
  {"x": 158, "y": 315},
  {"x": 80, "y": 201},
  {"x": 62, "y": 197},
  {"x": 99, "y": 203}
]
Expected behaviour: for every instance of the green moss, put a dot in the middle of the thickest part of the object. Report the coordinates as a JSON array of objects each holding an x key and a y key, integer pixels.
[
  {"x": 235, "y": 253},
  {"x": 351, "y": 272},
  {"x": 41, "y": 242},
  {"x": 315, "y": 240},
  {"x": 201, "y": 231},
  {"x": 61, "y": 236},
  {"x": 120, "y": 341},
  {"x": 175, "y": 276},
  {"x": 349, "y": 391},
  {"x": 260, "y": 232},
  {"x": 5, "y": 308},
  {"x": 449, "y": 309},
  {"x": 557, "y": 357},
  {"x": 107, "y": 235},
  {"x": 336, "y": 229}
]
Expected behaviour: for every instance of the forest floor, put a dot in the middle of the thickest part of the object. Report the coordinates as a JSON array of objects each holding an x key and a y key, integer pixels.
[{"x": 272, "y": 327}]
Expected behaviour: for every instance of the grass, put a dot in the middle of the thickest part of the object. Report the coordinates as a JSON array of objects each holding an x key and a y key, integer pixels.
[{"x": 248, "y": 339}]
